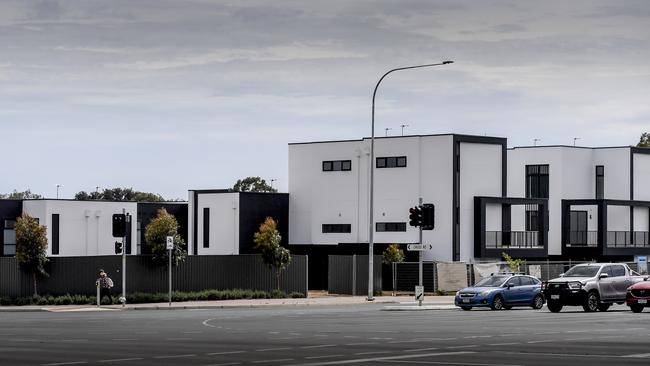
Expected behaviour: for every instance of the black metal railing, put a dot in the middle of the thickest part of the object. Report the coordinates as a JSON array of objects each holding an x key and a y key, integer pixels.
[
  {"x": 628, "y": 239},
  {"x": 512, "y": 239},
  {"x": 583, "y": 239}
]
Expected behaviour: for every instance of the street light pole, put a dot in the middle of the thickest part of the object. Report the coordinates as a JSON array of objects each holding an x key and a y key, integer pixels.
[{"x": 371, "y": 219}]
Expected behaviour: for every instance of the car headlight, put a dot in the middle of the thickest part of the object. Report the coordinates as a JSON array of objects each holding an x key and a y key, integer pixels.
[
  {"x": 485, "y": 293},
  {"x": 457, "y": 293},
  {"x": 575, "y": 285}
]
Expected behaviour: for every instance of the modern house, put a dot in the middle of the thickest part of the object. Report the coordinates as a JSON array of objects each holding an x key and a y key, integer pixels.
[
  {"x": 223, "y": 222},
  {"x": 83, "y": 228}
]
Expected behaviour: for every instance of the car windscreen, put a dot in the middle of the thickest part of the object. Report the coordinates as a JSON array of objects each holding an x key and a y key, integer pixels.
[
  {"x": 492, "y": 281},
  {"x": 582, "y": 271}
]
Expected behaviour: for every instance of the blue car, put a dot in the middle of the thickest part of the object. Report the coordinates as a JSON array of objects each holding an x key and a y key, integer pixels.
[{"x": 502, "y": 291}]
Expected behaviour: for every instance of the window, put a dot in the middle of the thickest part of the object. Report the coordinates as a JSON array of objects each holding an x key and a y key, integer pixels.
[
  {"x": 537, "y": 181},
  {"x": 618, "y": 271},
  {"x": 515, "y": 281},
  {"x": 608, "y": 270},
  {"x": 55, "y": 234},
  {"x": 390, "y": 226},
  {"x": 391, "y": 162},
  {"x": 532, "y": 218},
  {"x": 526, "y": 281},
  {"x": 9, "y": 237},
  {"x": 139, "y": 237},
  {"x": 336, "y": 228},
  {"x": 600, "y": 182},
  {"x": 337, "y": 165},
  {"x": 206, "y": 227}
]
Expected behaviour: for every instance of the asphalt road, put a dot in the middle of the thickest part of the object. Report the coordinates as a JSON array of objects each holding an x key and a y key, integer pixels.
[{"x": 326, "y": 336}]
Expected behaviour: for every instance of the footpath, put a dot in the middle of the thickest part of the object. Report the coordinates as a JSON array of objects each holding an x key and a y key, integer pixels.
[{"x": 431, "y": 303}]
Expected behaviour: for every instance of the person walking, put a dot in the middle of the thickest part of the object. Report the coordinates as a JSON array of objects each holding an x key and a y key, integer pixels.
[{"x": 105, "y": 286}]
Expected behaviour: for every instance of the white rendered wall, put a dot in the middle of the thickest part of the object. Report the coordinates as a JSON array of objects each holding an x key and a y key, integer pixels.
[
  {"x": 480, "y": 175},
  {"x": 85, "y": 227},
  {"x": 641, "y": 190},
  {"x": 224, "y": 223}
]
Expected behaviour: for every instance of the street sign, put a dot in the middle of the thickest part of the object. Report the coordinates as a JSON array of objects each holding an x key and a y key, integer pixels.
[
  {"x": 170, "y": 243},
  {"x": 419, "y": 293},
  {"x": 419, "y": 247}
]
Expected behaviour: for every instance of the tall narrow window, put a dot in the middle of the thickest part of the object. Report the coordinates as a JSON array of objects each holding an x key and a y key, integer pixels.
[
  {"x": 206, "y": 227},
  {"x": 55, "y": 234},
  {"x": 9, "y": 238},
  {"x": 600, "y": 182},
  {"x": 537, "y": 181}
]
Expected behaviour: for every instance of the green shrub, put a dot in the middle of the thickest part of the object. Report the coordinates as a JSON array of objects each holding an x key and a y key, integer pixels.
[
  {"x": 278, "y": 294},
  {"x": 296, "y": 295}
]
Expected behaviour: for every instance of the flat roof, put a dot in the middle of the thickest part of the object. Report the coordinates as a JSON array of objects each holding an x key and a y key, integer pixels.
[{"x": 395, "y": 137}]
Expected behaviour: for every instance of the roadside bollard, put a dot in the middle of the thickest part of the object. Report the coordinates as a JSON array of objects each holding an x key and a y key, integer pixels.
[{"x": 99, "y": 300}]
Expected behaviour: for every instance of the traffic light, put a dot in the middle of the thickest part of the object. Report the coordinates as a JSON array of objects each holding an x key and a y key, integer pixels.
[
  {"x": 415, "y": 215},
  {"x": 119, "y": 247},
  {"x": 119, "y": 225},
  {"x": 428, "y": 216}
]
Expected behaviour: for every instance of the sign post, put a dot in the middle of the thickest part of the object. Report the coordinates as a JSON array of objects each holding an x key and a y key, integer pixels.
[
  {"x": 420, "y": 263},
  {"x": 170, "y": 247},
  {"x": 419, "y": 294},
  {"x": 126, "y": 226}
]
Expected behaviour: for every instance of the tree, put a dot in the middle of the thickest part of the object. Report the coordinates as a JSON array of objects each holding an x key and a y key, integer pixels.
[
  {"x": 119, "y": 194},
  {"x": 393, "y": 254},
  {"x": 252, "y": 184},
  {"x": 31, "y": 247},
  {"x": 24, "y": 195},
  {"x": 156, "y": 234},
  {"x": 267, "y": 241},
  {"x": 514, "y": 264},
  {"x": 644, "y": 141}
]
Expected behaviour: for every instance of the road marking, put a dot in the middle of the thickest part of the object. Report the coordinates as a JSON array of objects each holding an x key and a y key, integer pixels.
[
  {"x": 370, "y": 353},
  {"x": 65, "y": 363},
  {"x": 317, "y": 357},
  {"x": 224, "y": 353},
  {"x": 122, "y": 359},
  {"x": 124, "y": 339},
  {"x": 273, "y": 349},
  {"x": 503, "y": 344},
  {"x": 534, "y": 342},
  {"x": 421, "y": 349},
  {"x": 468, "y": 346},
  {"x": 409, "y": 341},
  {"x": 191, "y": 332},
  {"x": 278, "y": 360},
  {"x": 360, "y": 344},
  {"x": 319, "y": 346},
  {"x": 387, "y": 358},
  {"x": 206, "y": 323},
  {"x": 224, "y": 364},
  {"x": 449, "y": 363},
  {"x": 639, "y": 355},
  {"x": 175, "y": 356},
  {"x": 179, "y": 339}
]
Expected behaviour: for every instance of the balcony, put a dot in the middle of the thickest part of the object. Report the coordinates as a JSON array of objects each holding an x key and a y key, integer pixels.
[
  {"x": 512, "y": 240},
  {"x": 583, "y": 239},
  {"x": 627, "y": 239}
]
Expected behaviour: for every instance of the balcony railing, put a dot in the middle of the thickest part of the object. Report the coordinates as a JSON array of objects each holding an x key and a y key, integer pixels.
[
  {"x": 512, "y": 240},
  {"x": 627, "y": 239},
  {"x": 583, "y": 239}
]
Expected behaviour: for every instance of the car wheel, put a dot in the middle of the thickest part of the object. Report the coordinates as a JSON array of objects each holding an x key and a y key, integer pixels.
[
  {"x": 497, "y": 303},
  {"x": 591, "y": 302},
  {"x": 636, "y": 308},
  {"x": 538, "y": 302},
  {"x": 466, "y": 308},
  {"x": 604, "y": 307},
  {"x": 554, "y": 307}
]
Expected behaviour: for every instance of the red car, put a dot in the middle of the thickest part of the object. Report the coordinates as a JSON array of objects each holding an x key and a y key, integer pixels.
[{"x": 638, "y": 296}]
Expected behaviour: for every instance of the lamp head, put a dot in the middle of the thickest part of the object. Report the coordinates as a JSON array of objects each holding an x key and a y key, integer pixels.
[{"x": 447, "y": 62}]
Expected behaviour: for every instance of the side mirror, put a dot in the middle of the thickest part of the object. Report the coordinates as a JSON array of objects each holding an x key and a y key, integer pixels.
[
  {"x": 603, "y": 275},
  {"x": 561, "y": 274}
]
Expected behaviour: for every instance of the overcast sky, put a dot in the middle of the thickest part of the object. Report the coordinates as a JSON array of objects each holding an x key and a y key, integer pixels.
[{"x": 165, "y": 96}]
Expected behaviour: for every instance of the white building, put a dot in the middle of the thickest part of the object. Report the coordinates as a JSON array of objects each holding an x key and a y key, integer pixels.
[{"x": 328, "y": 185}]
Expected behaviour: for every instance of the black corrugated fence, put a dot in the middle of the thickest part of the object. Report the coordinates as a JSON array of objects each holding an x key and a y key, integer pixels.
[
  {"x": 348, "y": 274},
  {"x": 77, "y": 275}
]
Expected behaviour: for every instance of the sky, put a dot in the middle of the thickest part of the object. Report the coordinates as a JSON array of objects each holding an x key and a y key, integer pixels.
[{"x": 168, "y": 95}]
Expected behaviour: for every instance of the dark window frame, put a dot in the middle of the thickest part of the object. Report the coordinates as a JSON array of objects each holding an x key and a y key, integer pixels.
[
  {"x": 336, "y": 228},
  {"x": 390, "y": 227},
  {"x": 537, "y": 181},
  {"x": 56, "y": 232},
  {"x": 391, "y": 162},
  {"x": 206, "y": 227},
  {"x": 600, "y": 182},
  {"x": 337, "y": 165},
  {"x": 6, "y": 227}
]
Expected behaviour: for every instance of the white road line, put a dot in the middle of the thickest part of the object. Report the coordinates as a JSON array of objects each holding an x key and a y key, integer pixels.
[
  {"x": 124, "y": 339},
  {"x": 179, "y": 339},
  {"x": 175, "y": 356},
  {"x": 545, "y": 341},
  {"x": 503, "y": 344},
  {"x": 360, "y": 344},
  {"x": 206, "y": 323},
  {"x": 224, "y": 353},
  {"x": 370, "y": 353},
  {"x": 467, "y": 346},
  {"x": 224, "y": 364},
  {"x": 319, "y": 346},
  {"x": 65, "y": 363},
  {"x": 478, "y": 336},
  {"x": 639, "y": 355},
  {"x": 272, "y": 349},
  {"x": 387, "y": 358},
  {"x": 278, "y": 360},
  {"x": 449, "y": 363},
  {"x": 191, "y": 332},
  {"x": 122, "y": 360},
  {"x": 319, "y": 357},
  {"x": 421, "y": 349}
]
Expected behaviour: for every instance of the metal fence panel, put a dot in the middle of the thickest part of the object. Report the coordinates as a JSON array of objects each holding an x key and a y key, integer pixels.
[
  {"x": 348, "y": 274},
  {"x": 407, "y": 276},
  {"x": 77, "y": 275}
]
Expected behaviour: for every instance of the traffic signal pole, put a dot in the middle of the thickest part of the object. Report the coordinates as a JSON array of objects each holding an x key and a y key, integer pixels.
[
  {"x": 124, "y": 260},
  {"x": 420, "y": 256}
]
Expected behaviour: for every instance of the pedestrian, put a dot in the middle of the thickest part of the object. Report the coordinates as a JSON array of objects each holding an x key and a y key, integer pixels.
[{"x": 105, "y": 285}]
